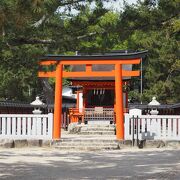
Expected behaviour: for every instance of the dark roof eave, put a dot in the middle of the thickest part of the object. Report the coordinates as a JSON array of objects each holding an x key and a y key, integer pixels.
[
  {"x": 108, "y": 56},
  {"x": 174, "y": 106},
  {"x": 145, "y": 106},
  {"x": 69, "y": 97}
]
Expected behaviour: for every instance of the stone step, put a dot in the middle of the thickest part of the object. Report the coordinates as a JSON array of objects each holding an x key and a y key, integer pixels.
[
  {"x": 98, "y": 125},
  {"x": 86, "y": 144},
  {"x": 96, "y": 129},
  {"x": 89, "y": 148},
  {"x": 84, "y": 141},
  {"x": 97, "y": 132},
  {"x": 91, "y": 129}
]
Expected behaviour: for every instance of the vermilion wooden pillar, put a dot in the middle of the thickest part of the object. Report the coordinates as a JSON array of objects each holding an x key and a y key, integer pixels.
[
  {"x": 58, "y": 103},
  {"x": 119, "y": 102}
]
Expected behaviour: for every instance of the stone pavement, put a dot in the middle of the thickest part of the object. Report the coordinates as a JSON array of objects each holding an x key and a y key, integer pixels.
[{"x": 52, "y": 164}]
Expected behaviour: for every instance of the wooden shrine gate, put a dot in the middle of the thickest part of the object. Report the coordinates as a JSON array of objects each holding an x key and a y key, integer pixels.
[{"x": 117, "y": 60}]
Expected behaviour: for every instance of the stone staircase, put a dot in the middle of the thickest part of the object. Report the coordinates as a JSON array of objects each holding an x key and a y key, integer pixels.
[
  {"x": 92, "y": 129},
  {"x": 88, "y": 137},
  {"x": 91, "y": 144}
]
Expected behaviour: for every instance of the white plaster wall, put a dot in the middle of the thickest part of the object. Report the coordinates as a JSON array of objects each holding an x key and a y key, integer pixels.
[
  {"x": 67, "y": 91},
  {"x": 80, "y": 101}
]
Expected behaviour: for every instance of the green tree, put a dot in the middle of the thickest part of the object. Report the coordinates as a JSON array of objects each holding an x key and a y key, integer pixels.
[
  {"x": 154, "y": 25},
  {"x": 30, "y": 29}
]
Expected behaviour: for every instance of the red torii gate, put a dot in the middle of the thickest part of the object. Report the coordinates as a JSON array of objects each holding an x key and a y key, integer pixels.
[{"x": 88, "y": 60}]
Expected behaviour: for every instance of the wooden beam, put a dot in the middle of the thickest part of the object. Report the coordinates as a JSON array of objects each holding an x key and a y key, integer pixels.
[
  {"x": 90, "y": 62},
  {"x": 130, "y": 73},
  {"x": 93, "y": 83},
  {"x": 104, "y": 87},
  {"x": 99, "y": 73},
  {"x": 88, "y": 67},
  {"x": 47, "y": 63},
  {"x": 79, "y": 62},
  {"x": 89, "y": 73}
]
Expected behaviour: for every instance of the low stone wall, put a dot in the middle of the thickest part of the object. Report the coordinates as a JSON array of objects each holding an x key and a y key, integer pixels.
[
  {"x": 9, "y": 143},
  {"x": 24, "y": 143},
  {"x": 161, "y": 144}
]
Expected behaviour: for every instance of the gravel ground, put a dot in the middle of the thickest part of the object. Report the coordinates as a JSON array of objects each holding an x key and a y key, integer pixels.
[{"x": 52, "y": 164}]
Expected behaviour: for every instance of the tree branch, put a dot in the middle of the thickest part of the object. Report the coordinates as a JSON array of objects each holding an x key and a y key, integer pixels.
[
  {"x": 38, "y": 23},
  {"x": 60, "y": 4},
  {"x": 31, "y": 41},
  {"x": 70, "y": 2}
]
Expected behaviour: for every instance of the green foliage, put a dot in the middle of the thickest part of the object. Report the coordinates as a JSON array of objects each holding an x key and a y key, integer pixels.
[
  {"x": 30, "y": 29},
  {"x": 154, "y": 25}
]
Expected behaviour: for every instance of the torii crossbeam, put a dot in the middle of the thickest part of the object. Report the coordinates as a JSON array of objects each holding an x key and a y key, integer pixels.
[{"x": 116, "y": 59}]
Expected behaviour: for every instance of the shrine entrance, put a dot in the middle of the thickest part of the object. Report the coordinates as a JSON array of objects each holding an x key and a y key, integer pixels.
[
  {"x": 96, "y": 100},
  {"x": 117, "y": 60}
]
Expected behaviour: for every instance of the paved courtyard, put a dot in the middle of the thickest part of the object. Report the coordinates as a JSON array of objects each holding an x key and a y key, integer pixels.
[{"x": 52, "y": 164}]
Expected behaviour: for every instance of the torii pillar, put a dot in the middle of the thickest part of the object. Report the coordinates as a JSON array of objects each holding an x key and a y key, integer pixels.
[
  {"x": 58, "y": 102},
  {"x": 119, "y": 102}
]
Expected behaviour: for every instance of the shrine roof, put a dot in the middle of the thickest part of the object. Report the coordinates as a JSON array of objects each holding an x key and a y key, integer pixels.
[{"x": 113, "y": 55}]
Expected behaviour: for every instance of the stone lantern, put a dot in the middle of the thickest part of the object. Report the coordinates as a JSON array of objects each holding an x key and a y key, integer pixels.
[
  {"x": 154, "y": 103},
  {"x": 37, "y": 104}
]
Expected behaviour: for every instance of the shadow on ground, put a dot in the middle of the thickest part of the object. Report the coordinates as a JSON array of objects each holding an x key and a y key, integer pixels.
[{"x": 35, "y": 164}]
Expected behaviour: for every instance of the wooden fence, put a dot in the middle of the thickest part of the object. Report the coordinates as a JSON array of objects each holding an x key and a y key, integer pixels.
[
  {"x": 26, "y": 126},
  {"x": 154, "y": 127},
  {"x": 99, "y": 114}
]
